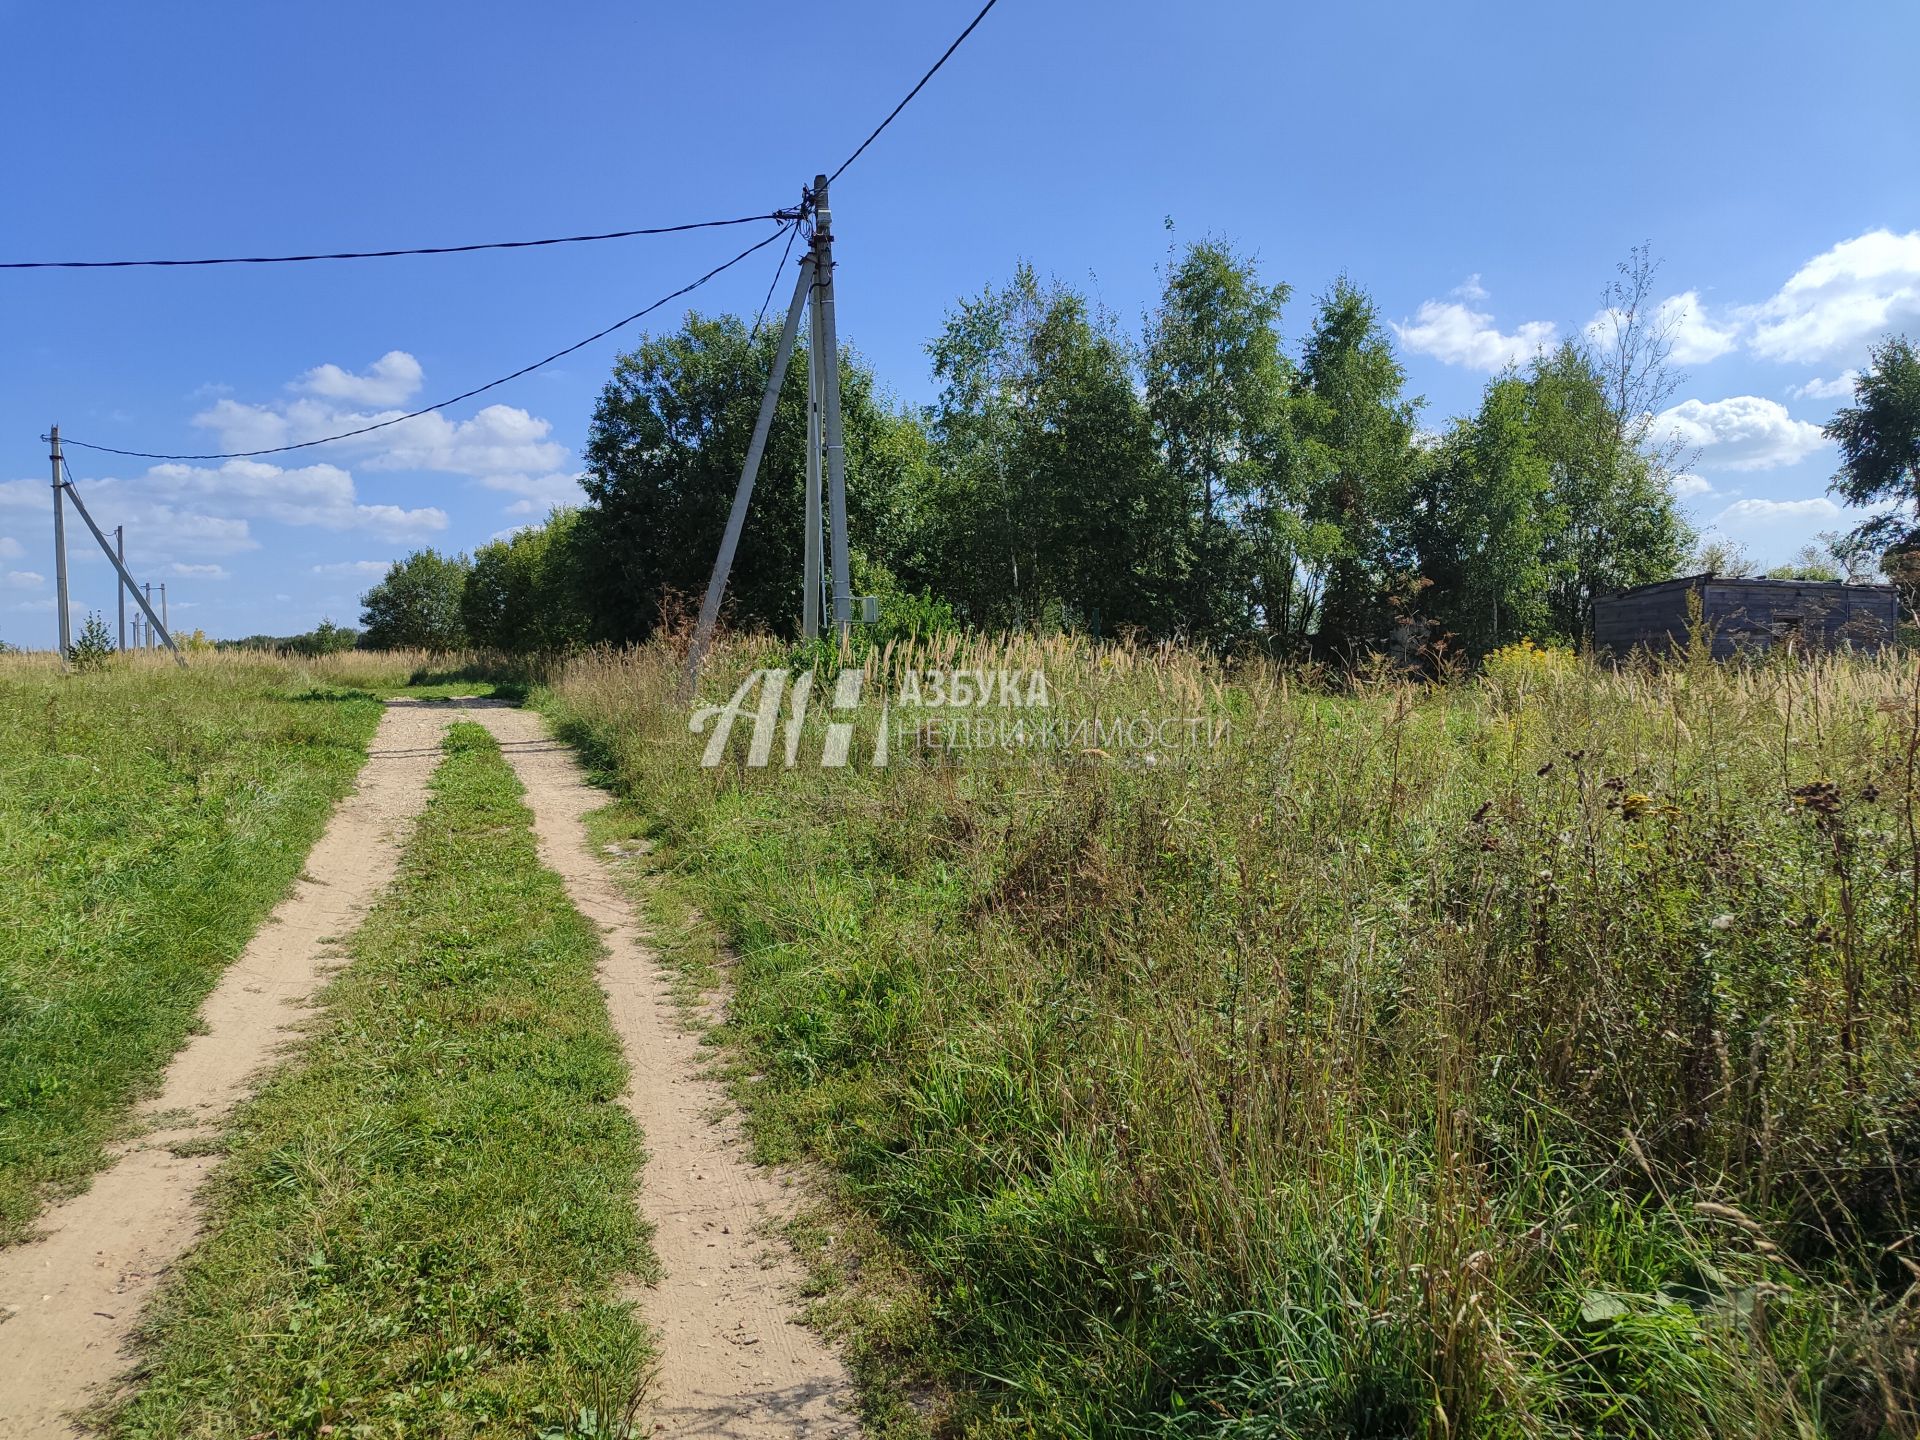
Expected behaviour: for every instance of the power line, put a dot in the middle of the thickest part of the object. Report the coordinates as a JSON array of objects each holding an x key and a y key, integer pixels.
[
  {"x": 948, "y": 55},
  {"x": 772, "y": 284},
  {"x": 387, "y": 254},
  {"x": 465, "y": 395}
]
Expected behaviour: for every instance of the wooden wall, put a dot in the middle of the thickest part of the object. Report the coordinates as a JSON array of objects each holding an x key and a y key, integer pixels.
[{"x": 1747, "y": 615}]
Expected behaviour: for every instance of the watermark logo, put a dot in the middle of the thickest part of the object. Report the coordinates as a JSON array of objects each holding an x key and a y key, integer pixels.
[{"x": 930, "y": 714}]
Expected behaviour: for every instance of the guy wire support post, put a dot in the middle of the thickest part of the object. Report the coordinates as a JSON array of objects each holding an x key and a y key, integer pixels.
[
  {"x": 155, "y": 626},
  {"x": 743, "y": 493}
]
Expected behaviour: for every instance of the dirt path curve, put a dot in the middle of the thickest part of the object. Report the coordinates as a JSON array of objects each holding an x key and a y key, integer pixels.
[
  {"x": 734, "y": 1362},
  {"x": 75, "y": 1292}
]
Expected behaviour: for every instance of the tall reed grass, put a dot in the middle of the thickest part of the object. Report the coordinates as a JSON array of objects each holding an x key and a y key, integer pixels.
[{"x": 1526, "y": 1055}]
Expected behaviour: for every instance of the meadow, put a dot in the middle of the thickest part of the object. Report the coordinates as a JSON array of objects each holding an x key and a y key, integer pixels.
[
  {"x": 149, "y": 819},
  {"x": 1525, "y": 1054}
]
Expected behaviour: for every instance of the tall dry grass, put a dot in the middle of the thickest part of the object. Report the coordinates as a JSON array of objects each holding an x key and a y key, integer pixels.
[{"x": 1526, "y": 1055}]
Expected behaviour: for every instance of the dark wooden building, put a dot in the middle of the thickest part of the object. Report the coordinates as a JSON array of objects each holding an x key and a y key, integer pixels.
[{"x": 1746, "y": 616}]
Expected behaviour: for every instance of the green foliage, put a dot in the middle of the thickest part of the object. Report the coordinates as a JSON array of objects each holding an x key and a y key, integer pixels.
[
  {"x": 422, "y": 1220},
  {"x": 417, "y": 605},
  {"x": 93, "y": 647},
  {"x": 1043, "y": 496},
  {"x": 1217, "y": 383},
  {"x": 664, "y": 454},
  {"x": 148, "y": 822},
  {"x": 1356, "y": 464},
  {"x": 526, "y": 593},
  {"x": 1879, "y": 440}
]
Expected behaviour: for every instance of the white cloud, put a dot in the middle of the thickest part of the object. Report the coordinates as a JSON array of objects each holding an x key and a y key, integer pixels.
[
  {"x": 499, "y": 440},
  {"x": 1691, "y": 487},
  {"x": 1815, "y": 510},
  {"x": 1817, "y": 389},
  {"x": 369, "y": 569},
  {"x": 1696, "y": 339},
  {"x": 1470, "y": 288},
  {"x": 322, "y": 496},
  {"x": 24, "y": 580},
  {"x": 390, "y": 380},
  {"x": 1839, "y": 300},
  {"x": 199, "y": 572},
  {"x": 1743, "y": 432},
  {"x": 10, "y": 548},
  {"x": 1456, "y": 334}
]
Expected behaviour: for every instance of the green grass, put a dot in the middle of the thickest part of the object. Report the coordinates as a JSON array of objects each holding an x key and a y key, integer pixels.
[
  {"x": 1531, "y": 1055},
  {"x": 149, "y": 820},
  {"x": 425, "y": 1221}
]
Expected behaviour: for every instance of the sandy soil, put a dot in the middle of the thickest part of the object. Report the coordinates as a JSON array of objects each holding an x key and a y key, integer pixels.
[
  {"x": 734, "y": 1362},
  {"x": 69, "y": 1298}
]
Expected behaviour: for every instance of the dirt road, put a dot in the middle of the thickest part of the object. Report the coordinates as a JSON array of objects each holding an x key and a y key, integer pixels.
[
  {"x": 71, "y": 1297},
  {"x": 733, "y": 1361}
]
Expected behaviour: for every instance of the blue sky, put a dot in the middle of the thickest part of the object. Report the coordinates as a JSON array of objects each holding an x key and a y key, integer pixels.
[{"x": 1479, "y": 168}]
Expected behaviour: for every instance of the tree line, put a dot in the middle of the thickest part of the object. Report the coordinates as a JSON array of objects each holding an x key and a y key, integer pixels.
[{"x": 1197, "y": 477}]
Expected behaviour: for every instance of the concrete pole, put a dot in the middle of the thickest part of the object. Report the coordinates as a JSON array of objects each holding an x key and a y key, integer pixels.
[
  {"x": 830, "y": 387},
  {"x": 165, "y": 623},
  {"x": 60, "y": 548},
  {"x": 743, "y": 493},
  {"x": 136, "y": 632},
  {"x": 120, "y": 591},
  {"x": 146, "y": 592},
  {"x": 810, "y": 582}
]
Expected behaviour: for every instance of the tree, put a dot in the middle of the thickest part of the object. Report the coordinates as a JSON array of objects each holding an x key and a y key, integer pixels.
[
  {"x": 1615, "y": 523},
  {"x": 1044, "y": 498},
  {"x": 93, "y": 646},
  {"x": 664, "y": 452},
  {"x": 524, "y": 592},
  {"x": 1356, "y": 464},
  {"x": 1217, "y": 384},
  {"x": 416, "y": 605},
  {"x": 1479, "y": 525},
  {"x": 1879, "y": 440}
]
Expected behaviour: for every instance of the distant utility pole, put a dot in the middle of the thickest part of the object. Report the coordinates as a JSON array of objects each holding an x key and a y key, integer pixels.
[
  {"x": 165, "y": 623},
  {"x": 60, "y": 550},
  {"x": 119, "y": 590},
  {"x": 146, "y": 592},
  {"x": 136, "y": 632}
]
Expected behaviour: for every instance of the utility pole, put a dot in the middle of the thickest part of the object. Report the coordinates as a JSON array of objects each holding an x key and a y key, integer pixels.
[
  {"x": 165, "y": 623},
  {"x": 836, "y": 443},
  {"x": 811, "y": 571},
  {"x": 146, "y": 592},
  {"x": 136, "y": 632},
  {"x": 60, "y": 550},
  {"x": 120, "y": 591}
]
